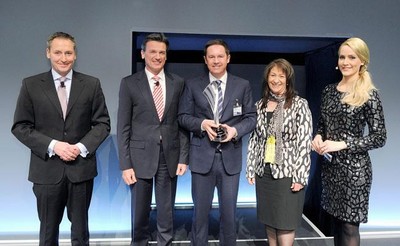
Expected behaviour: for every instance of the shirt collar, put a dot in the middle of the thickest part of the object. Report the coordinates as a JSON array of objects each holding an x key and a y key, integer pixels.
[
  {"x": 150, "y": 75},
  {"x": 56, "y": 75},
  {"x": 223, "y": 79}
]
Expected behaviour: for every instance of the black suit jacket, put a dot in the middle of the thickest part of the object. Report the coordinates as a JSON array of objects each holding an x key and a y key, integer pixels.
[
  {"x": 139, "y": 128},
  {"x": 38, "y": 120}
]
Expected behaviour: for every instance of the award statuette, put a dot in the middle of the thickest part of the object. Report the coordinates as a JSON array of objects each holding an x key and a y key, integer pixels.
[
  {"x": 209, "y": 93},
  {"x": 221, "y": 133}
]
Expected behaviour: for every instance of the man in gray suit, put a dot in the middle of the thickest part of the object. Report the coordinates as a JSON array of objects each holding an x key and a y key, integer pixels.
[
  {"x": 152, "y": 147},
  {"x": 214, "y": 164},
  {"x": 63, "y": 132}
]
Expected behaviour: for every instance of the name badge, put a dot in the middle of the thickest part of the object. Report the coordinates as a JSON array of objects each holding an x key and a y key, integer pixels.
[
  {"x": 237, "y": 108},
  {"x": 269, "y": 155}
]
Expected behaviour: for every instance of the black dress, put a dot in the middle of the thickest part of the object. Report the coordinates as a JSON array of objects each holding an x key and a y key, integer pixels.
[{"x": 346, "y": 179}]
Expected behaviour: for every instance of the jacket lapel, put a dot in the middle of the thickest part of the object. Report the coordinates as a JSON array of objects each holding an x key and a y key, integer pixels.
[
  {"x": 50, "y": 91},
  {"x": 143, "y": 84},
  {"x": 204, "y": 82},
  {"x": 77, "y": 86},
  {"x": 170, "y": 88},
  {"x": 229, "y": 90}
]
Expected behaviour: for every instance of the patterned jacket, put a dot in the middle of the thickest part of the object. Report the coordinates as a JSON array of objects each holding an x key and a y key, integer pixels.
[{"x": 296, "y": 138}]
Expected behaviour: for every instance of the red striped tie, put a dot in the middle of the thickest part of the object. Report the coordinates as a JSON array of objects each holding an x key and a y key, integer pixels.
[{"x": 158, "y": 97}]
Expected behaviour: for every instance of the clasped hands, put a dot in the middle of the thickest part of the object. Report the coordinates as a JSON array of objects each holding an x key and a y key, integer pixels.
[
  {"x": 208, "y": 125},
  {"x": 323, "y": 147},
  {"x": 66, "y": 151}
]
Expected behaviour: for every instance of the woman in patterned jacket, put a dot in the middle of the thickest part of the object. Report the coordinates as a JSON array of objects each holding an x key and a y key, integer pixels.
[
  {"x": 278, "y": 158},
  {"x": 347, "y": 108}
]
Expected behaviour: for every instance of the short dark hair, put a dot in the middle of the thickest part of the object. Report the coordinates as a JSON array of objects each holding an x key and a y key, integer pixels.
[
  {"x": 159, "y": 37},
  {"x": 60, "y": 35},
  {"x": 216, "y": 42}
]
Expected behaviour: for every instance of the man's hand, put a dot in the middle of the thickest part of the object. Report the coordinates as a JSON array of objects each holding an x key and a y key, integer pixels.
[
  {"x": 231, "y": 132},
  {"x": 129, "y": 176},
  {"x": 208, "y": 125},
  {"x": 181, "y": 169},
  {"x": 66, "y": 151}
]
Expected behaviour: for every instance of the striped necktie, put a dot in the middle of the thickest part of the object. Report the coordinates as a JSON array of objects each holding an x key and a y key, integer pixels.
[
  {"x": 220, "y": 99},
  {"x": 158, "y": 97}
]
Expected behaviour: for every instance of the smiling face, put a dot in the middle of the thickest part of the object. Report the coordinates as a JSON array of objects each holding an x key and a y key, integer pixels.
[
  {"x": 155, "y": 56},
  {"x": 277, "y": 81},
  {"x": 217, "y": 60},
  {"x": 62, "y": 55},
  {"x": 349, "y": 63}
]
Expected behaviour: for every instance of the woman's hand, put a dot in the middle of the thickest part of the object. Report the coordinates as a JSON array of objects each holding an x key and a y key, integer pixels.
[
  {"x": 323, "y": 147},
  {"x": 331, "y": 146},
  {"x": 251, "y": 181},
  {"x": 296, "y": 187},
  {"x": 316, "y": 143}
]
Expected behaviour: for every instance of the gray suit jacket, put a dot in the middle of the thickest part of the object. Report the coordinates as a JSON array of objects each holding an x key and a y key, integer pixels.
[
  {"x": 194, "y": 108},
  {"x": 38, "y": 119},
  {"x": 139, "y": 128}
]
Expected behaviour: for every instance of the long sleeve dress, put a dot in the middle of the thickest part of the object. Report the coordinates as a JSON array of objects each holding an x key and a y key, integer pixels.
[{"x": 347, "y": 177}]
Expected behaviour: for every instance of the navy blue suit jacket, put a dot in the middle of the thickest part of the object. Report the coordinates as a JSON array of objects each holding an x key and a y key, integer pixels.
[{"x": 194, "y": 108}]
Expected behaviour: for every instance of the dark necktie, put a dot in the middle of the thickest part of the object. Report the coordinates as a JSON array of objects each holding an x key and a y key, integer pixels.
[
  {"x": 158, "y": 97},
  {"x": 62, "y": 95},
  {"x": 220, "y": 99}
]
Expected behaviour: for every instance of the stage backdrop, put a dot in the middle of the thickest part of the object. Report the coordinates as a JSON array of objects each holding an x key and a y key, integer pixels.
[{"x": 103, "y": 30}]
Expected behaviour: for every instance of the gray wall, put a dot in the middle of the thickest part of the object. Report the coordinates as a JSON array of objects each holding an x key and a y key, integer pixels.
[{"x": 103, "y": 32}]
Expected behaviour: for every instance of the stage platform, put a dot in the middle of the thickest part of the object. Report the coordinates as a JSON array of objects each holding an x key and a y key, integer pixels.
[{"x": 250, "y": 232}]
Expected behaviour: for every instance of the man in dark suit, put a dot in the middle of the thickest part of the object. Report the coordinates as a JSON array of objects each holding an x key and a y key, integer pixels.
[
  {"x": 63, "y": 133},
  {"x": 152, "y": 147},
  {"x": 216, "y": 164}
]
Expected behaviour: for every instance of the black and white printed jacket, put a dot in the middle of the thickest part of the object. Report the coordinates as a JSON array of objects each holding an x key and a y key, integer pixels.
[{"x": 296, "y": 138}]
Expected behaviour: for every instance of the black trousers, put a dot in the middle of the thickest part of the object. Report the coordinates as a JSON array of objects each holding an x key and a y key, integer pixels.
[
  {"x": 52, "y": 199},
  {"x": 141, "y": 192}
]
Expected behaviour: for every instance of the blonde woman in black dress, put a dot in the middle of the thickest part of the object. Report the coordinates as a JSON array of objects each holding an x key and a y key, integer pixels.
[
  {"x": 278, "y": 159},
  {"x": 347, "y": 108}
]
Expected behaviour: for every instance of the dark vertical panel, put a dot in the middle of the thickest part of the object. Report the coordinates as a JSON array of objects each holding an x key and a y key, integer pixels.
[
  {"x": 320, "y": 71},
  {"x": 134, "y": 50}
]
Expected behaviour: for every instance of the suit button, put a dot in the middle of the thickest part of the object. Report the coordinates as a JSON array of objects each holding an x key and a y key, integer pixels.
[{"x": 65, "y": 133}]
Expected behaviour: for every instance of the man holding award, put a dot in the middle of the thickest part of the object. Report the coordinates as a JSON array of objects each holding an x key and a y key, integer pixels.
[{"x": 218, "y": 109}]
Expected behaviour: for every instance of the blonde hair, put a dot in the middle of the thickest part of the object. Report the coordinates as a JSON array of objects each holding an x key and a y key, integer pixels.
[{"x": 360, "y": 91}]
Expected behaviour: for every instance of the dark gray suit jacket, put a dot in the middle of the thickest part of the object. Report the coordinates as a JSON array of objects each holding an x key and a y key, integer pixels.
[
  {"x": 194, "y": 108},
  {"x": 38, "y": 119},
  {"x": 139, "y": 128}
]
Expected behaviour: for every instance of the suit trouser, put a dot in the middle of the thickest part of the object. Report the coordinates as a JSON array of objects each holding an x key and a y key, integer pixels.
[
  {"x": 203, "y": 186},
  {"x": 51, "y": 202},
  {"x": 141, "y": 192}
]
